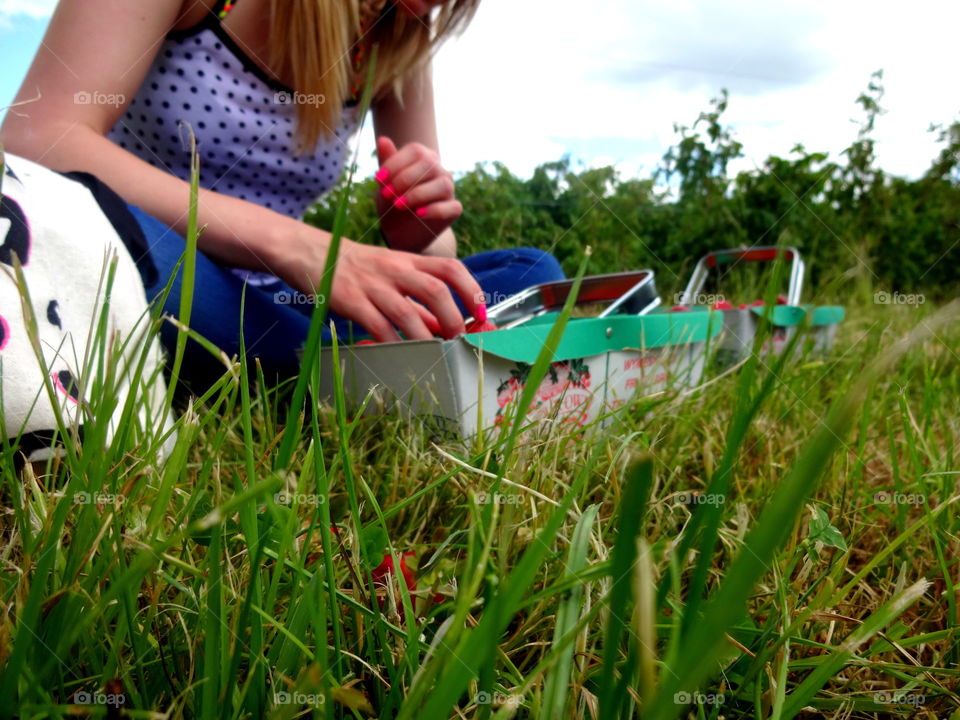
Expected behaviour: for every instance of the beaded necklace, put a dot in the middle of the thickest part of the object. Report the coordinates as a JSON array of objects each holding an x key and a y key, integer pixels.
[{"x": 370, "y": 12}]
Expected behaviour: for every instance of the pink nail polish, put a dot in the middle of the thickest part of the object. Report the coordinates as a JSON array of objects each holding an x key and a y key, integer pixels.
[
  {"x": 382, "y": 175},
  {"x": 388, "y": 192},
  {"x": 480, "y": 313},
  {"x": 400, "y": 203},
  {"x": 421, "y": 212}
]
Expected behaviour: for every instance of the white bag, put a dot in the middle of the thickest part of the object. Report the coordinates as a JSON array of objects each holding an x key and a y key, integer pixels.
[{"x": 65, "y": 244}]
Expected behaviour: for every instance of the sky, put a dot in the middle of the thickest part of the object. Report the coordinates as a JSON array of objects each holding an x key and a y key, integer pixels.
[{"x": 604, "y": 82}]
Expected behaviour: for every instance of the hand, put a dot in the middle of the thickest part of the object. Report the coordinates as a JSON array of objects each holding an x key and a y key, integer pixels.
[
  {"x": 377, "y": 287},
  {"x": 416, "y": 198}
]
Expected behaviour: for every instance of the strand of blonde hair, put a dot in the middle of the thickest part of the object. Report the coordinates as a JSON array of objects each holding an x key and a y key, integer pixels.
[{"x": 313, "y": 44}]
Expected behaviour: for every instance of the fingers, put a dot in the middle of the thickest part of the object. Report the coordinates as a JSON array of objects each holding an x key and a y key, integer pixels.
[
  {"x": 394, "y": 160},
  {"x": 373, "y": 321},
  {"x": 404, "y": 315},
  {"x": 455, "y": 274},
  {"x": 407, "y": 168},
  {"x": 447, "y": 211},
  {"x": 438, "y": 189},
  {"x": 418, "y": 172},
  {"x": 433, "y": 325},
  {"x": 388, "y": 292},
  {"x": 385, "y": 149}
]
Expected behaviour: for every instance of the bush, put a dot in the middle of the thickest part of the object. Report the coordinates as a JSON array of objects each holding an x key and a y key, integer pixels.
[{"x": 849, "y": 218}]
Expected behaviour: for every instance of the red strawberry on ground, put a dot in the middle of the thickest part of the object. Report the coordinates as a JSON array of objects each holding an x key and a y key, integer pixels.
[{"x": 386, "y": 568}]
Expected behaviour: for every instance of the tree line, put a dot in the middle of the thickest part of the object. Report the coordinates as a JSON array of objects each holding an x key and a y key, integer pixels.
[{"x": 852, "y": 221}]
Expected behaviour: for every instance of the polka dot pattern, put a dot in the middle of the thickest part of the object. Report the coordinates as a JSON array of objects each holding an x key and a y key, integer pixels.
[{"x": 244, "y": 126}]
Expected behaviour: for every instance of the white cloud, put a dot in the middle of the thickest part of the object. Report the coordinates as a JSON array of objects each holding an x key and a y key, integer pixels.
[{"x": 532, "y": 79}]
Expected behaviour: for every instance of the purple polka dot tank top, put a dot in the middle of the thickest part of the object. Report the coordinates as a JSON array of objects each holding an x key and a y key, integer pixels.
[{"x": 243, "y": 120}]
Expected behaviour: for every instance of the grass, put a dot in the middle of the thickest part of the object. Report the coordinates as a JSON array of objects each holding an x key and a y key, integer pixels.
[{"x": 782, "y": 543}]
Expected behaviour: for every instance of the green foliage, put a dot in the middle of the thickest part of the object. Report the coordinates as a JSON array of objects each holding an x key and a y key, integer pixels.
[{"x": 850, "y": 219}]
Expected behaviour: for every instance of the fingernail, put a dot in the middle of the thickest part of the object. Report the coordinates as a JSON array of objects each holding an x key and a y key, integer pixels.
[
  {"x": 421, "y": 212},
  {"x": 388, "y": 192},
  {"x": 400, "y": 203},
  {"x": 382, "y": 175},
  {"x": 480, "y": 313}
]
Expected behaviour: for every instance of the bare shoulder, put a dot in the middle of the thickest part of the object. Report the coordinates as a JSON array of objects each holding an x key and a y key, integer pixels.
[{"x": 91, "y": 46}]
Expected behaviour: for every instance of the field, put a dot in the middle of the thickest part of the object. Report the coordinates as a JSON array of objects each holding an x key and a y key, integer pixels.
[{"x": 780, "y": 543}]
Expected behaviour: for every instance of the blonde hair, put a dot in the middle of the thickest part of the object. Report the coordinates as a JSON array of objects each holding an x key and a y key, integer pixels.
[{"x": 314, "y": 44}]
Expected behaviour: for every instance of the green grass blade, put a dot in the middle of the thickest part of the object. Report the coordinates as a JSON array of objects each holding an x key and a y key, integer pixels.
[{"x": 557, "y": 680}]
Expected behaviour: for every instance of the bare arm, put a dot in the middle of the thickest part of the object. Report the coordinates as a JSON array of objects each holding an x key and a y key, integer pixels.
[{"x": 107, "y": 46}]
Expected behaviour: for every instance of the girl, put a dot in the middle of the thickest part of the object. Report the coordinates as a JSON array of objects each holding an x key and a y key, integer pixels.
[{"x": 271, "y": 88}]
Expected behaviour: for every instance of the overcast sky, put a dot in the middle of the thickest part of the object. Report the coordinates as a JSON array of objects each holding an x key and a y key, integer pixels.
[{"x": 604, "y": 81}]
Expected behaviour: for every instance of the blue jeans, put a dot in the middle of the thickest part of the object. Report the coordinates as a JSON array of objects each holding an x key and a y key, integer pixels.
[{"x": 274, "y": 324}]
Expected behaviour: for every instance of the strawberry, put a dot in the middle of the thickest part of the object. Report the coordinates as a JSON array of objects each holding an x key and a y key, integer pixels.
[
  {"x": 475, "y": 326},
  {"x": 385, "y": 568}
]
